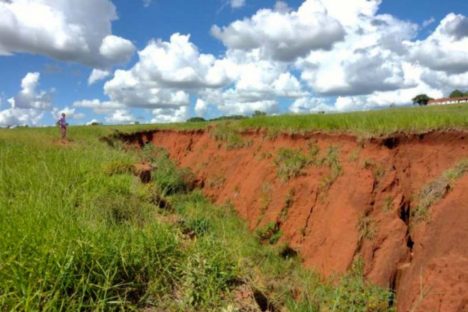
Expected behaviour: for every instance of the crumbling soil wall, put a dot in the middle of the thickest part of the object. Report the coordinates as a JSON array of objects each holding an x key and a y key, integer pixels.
[{"x": 366, "y": 209}]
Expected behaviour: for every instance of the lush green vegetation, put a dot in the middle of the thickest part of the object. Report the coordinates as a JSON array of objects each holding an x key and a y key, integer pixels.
[
  {"x": 370, "y": 123},
  {"x": 79, "y": 232},
  {"x": 457, "y": 93}
]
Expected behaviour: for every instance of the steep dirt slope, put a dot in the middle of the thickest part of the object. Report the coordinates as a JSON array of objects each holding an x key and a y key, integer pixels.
[{"x": 357, "y": 198}]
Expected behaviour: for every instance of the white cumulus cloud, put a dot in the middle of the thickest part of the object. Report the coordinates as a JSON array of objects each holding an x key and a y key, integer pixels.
[
  {"x": 164, "y": 115},
  {"x": 29, "y": 96},
  {"x": 28, "y": 106},
  {"x": 120, "y": 116},
  {"x": 446, "y": 49},
  {"x": 78, "y": 31},
  {"x": 283, "y": 35}
]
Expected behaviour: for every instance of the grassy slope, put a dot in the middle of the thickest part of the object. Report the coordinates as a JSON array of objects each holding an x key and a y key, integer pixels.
[{"x": 79, "y": 232}]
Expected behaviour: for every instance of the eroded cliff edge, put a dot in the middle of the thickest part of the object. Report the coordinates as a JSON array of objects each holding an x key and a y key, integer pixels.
[{"x": 400, "y": 203}]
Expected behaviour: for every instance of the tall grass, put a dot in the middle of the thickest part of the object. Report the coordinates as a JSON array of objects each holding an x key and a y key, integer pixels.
[
  {"x": 408, "y": 119},
  {"x": 77, "y": 236},
  {"x": 66, "y": 240}
]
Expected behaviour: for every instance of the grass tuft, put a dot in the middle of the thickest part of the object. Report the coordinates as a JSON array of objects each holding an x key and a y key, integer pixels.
[
  {"x": 289, "y": 163},
  {"x": 436, "y": 190}
]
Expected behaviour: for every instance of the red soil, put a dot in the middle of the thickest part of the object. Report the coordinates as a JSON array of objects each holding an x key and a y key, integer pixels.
[{"x": 426, "y": 265}]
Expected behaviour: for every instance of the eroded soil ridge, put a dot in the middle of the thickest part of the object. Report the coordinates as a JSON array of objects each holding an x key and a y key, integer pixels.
[{"x": 399, "y": 203}]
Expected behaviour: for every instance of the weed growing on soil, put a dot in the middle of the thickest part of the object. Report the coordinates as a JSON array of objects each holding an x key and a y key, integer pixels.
[
  {"x": 289, "y": 163},
  {"x": 313, "y": 152},
  {"x": 387, "y": 204},
  {"x": 216, "y": 181},
  {"x": 288, "y": 202},
  {"x": 227, "y": 134},
  {"x": 378, "y": 171},
  {"x": 366, "y": 228},
  {"x": 332, "y": 161},
  {"x": 354, "y": 155},
  {"x": 436, "y": 190},
  {"x": 264, "y": 198}
]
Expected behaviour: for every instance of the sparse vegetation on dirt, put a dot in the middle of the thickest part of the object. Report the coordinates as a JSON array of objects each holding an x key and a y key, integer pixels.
[
  {"x": 289, "y": 163},
  {"x": 366, "y": 228},
  {"x": 332, "y": 161},
  {"x": 436, "y": 190},
  {"x": 229, "y": 136}
]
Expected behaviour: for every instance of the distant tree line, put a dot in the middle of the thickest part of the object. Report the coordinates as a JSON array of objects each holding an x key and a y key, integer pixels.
[
  {"x": 457, "y": 93},
  {"x": 423, "y": 99},
  {"x": 227, "y": 117}
]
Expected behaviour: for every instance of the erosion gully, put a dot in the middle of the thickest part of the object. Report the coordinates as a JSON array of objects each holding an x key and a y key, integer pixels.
[{"x": 368, "y": 208}]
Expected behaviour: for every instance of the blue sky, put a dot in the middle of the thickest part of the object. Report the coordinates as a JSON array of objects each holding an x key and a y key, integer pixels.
[{"x": 274, "y": 56}]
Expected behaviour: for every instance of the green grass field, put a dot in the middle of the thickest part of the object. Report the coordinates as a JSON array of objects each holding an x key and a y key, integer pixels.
[
  {"x": 79, "y": 232},
  {"x": 369, "y": 123}
]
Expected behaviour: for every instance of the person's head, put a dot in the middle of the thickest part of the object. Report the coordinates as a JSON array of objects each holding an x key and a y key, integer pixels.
[{"x": 63, "y": 115}]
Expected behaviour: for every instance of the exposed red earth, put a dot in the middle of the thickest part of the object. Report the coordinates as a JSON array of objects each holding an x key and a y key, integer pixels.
[{"x": 366, "y": 211}]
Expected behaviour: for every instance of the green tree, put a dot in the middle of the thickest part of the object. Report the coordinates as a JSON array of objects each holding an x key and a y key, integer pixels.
[
  {"x": 258, "y": 113},
  {"x": 456, "y": 93},
  {"x": 196, "y": 119},
  {"x": 421, "y": 99}
]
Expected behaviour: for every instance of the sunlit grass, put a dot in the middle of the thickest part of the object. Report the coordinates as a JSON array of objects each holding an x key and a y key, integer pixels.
[{"x": 408, "y": 119}]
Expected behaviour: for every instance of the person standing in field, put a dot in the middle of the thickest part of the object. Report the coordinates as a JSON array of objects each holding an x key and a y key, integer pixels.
[{"x": 62, "y": 123}]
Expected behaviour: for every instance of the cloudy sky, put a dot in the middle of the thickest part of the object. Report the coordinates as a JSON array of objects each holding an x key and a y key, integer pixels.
[{"x": 122, "y": 61}]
